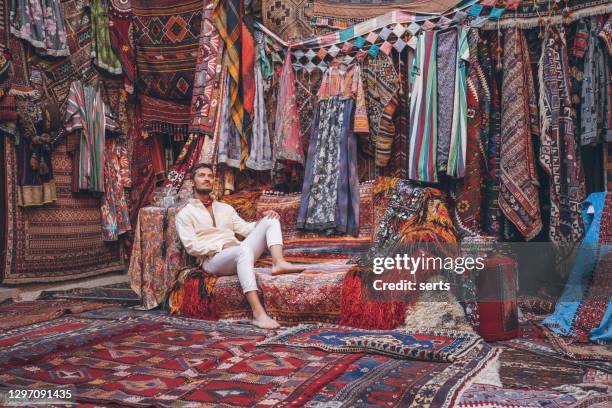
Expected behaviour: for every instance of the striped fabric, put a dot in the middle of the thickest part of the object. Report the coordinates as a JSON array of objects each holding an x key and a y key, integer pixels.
[
  {"x": 87, "y": 112},
  {"x": 228, "y": 18},
  {"x": 458, "y": 141},
  {"x": 423, "y": 109}
]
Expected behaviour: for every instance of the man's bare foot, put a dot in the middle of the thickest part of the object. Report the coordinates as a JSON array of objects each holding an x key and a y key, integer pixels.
[
  {"x": 282, "y": 267},
  {"x": 265, "y": 322}
]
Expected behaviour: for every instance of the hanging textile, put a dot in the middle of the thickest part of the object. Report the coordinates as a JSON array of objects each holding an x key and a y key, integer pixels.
[
  {"x": 120, "y": 26},
  {"x": 493, "y": 214},
  {"x": 239, "y": 44},
  {"x": 400, "y": 150},
  {"x": 101, "y": 50},
  {"x": 87, "y": 112},
  {"x": 260, "y": 155},
  {"x": 36, "y": 185},
  {"x": 210, "y": 148},
  {"x": 187, "y": 158},
  {"x": 206, "y": 98},
  {"x": 423, "y": 109},
  {"x": 114, "y": 207},
  {"x": 287, "y": 138},
  {"x": 166, "y": 35},
  {"x": 518, "y": 197},
  {"x": 468, "y": 205},
  {"x": 559, "y": 153},
  {"x": 382, "y": 99},
  {"x": 446, "y": 59},
  {"x": 330, "y": 194},
  {"x": 230, "y": 149},
  {"x": 41, "y": 23},
  {"x": 594, "y": 92},
  {"x": 458, "y": 138},
  {"x": 584, "y": 310},
  {"x": 159, "y": 116}
]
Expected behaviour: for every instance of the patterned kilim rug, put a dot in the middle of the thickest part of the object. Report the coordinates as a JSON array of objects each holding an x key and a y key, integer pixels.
[
  {"x": 491, "y": 396},
  {"x": 443, "y": 346},
  {"x": 120, "y": 293},
  {"x": 24, "y": 313},
  {"x": 56, "y": 242},
  {"x": 376, "y": 381},
  {"x": 136, "y": 358}
]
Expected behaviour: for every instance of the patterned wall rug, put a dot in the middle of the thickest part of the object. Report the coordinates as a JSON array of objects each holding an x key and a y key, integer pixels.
[{"x": 56, "y": 242}]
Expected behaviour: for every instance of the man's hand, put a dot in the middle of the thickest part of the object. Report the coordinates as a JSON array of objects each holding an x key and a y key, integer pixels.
[
  {"x": 271, "y": 214},
  {"x": 230, "y": 244}
]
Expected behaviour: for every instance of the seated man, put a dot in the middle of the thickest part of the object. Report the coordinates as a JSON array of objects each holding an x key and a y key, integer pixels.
[{"x": 207, "y": 230}]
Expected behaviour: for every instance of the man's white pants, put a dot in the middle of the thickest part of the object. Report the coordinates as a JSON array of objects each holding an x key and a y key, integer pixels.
[{"x": 241, "y": 259}]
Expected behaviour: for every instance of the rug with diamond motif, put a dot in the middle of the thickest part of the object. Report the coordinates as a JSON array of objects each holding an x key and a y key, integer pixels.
[{"x": 428, "y": 345}]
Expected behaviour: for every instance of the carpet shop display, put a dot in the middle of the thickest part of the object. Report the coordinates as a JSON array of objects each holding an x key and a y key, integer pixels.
[{"x": 374, "y": 130}]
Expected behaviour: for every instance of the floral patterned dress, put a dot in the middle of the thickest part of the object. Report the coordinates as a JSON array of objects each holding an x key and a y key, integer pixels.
[
  {"x": 330, "y": 193},
  {"x": 41, "y": 23},
  {"x": 114, "y": 207}
]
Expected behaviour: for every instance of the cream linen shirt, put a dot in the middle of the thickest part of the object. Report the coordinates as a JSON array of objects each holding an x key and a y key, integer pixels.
[{"x": 200, "y": 237}]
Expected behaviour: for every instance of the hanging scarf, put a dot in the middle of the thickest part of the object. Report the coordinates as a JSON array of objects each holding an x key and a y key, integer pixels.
[
  {"x": 559, "y": 154},
  {"x": 518, "y": 197},
  {"x": 260, "y": 156},
  {"x": 287, "y": 138},
  {"x": 423, "y": 109},
  {"x": 239, "y": 44},
  {"x": 458, "y": 139}
]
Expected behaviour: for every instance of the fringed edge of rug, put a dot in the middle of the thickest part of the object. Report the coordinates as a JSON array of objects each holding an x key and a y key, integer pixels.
[
  {"x": 191, "y": 295},
  {"x": 367, "y": 315},
  {"x": 533, "y": 22}
]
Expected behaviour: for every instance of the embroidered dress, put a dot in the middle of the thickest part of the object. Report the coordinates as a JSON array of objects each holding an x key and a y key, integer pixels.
[
  {"x": 101, "y": 50},
  {"x": 260, "y": 155},
  {"x": 114, "y": 208},
  {"x": 41, "y": 23},
  {"x": 87, "y": 112},
  {"x": 559, "y": 152},
  {"x": 330, "y": 194},
  {"x": 518, "y": 198},
  {"x": 458, "y": 140},
  {"x": 287, "y": 137},
  {"x": 423, "y": 109}
]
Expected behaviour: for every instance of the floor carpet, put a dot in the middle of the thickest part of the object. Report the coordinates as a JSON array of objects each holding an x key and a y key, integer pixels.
[
  {"x": 14, "y": 315},
  {"x": 120, "y": 293},
  {"x": 125, "y": 357}
]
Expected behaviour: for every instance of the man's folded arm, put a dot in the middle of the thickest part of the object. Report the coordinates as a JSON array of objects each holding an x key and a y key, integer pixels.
[
  {"x": 193, "y": 245},
  {"x": 241, "y": 226}
]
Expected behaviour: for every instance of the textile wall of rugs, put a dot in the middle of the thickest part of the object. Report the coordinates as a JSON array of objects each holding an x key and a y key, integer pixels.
[{"x": 105, "y": 105}]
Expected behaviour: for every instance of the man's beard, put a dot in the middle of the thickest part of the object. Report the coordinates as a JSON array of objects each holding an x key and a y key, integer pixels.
[{"x": 203, "y": 191}]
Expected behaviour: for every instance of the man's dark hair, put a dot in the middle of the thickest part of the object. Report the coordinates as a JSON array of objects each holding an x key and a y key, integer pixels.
[{"x": 200, "y": 166}]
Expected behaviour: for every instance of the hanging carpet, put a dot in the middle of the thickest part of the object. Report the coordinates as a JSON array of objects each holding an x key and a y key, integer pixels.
[{"x": 54, "y": 243}]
